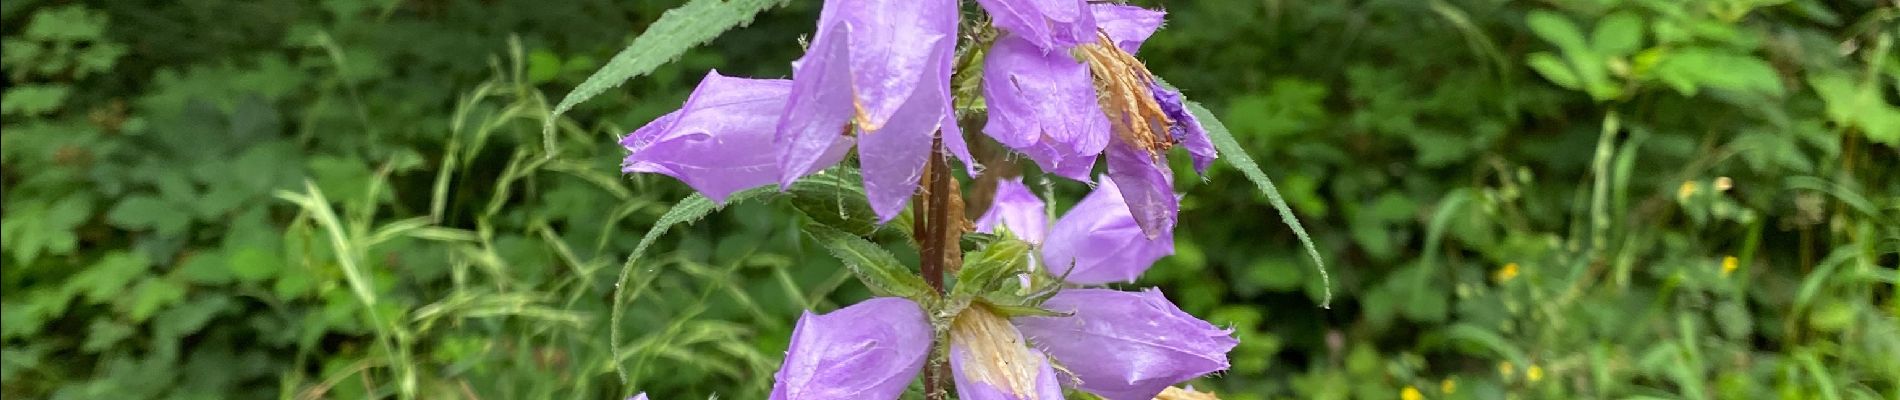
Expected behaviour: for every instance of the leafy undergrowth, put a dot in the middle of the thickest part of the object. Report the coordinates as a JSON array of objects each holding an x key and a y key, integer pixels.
[{"x": 357, "y": 199}]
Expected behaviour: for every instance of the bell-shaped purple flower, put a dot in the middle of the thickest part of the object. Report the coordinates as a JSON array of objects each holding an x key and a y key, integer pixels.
[
  {"x": 883, "y": 67},
  {"x": 1127, "y": 345},
  {"x": 1043, "y": 105},
  {"x": 1017, "y": 208},
  {"x": 1098, "y": 241},
  {"x": 1062, "y": 112},
  {"x": 1053, "y": 26},
  {"x": 870, "y": 350},
  {"x": 720, "y": 141}
]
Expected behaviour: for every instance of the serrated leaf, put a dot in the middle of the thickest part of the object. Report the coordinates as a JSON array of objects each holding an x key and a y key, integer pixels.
[
  {"x": 690, "y": 209},
  {"x": 873, "y": 265},
  {"x": 107, "y": 278},
  {"x": 32, "y": 227},
  {"x": 677, "y": 31},
  {"x": 1236, "y": 156}
]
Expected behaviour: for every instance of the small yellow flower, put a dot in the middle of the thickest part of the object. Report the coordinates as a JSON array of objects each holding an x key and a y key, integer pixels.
[
  {"x": 1729, "y": 264},
  {"x": 1723, "y": 183},
  {"x": 1411, "y": 393},
  {"x": 1687, "y": 189},
  {"x": 1448, "y": 386},
  {"x": 1534, "y": 373},
  {"x": 1506, "y": 369},
  {"x": 1506, "y": 273}
]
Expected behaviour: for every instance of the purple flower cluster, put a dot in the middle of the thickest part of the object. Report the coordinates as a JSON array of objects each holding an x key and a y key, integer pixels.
[
  {"x": 1062, "y": 87},
  {"x": 1060, "y": 84}
]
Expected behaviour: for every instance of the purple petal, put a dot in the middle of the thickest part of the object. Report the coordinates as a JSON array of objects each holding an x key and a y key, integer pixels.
[
  {"x": 817, "y": 109},
  {"x": 641, "y": 396},
  {"x": 893, "y": 43},
  {"x": 1146, "y": 185},
  {"x": 720, "y": 141},
  {"x": 1053, "y": 26},
  {"x": 1187, "y": 129},
  {"x": 1044, "y": 105},
  {"x": 870, "y": 350},
  {"x": 892, "y": 158},
  {"x": 1127, "y": 25},
  {"x": 1100, "y": 240},
  {"x": 990, "y": 360},
  {"x": 1127, "y": 345},
  {"x": 1016, "y": 208}
]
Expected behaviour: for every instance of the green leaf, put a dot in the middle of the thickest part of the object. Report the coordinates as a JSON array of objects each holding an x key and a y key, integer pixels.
[
  {"x": 543, "y": 66},
  {"x": 874, "y": 266},
  {"x": 106, "y": 279},
  {"x": 1857, "y": 105},
  {"x": 103, "y": 333},
  {"x": 150, "y": 296},
  {"x": 1698, "y": 67},
  {"x": 986, "y": 269},
  {"x": 1618, "y": 34},
  {"x": 677, "y": 31},
  {"x": 68, "y": 23},
  {"x": 1556, "y": 29},
  {"x": 1231, "y": 151},
  {"x": 686, "y": 211},
  {"x": 33, "y": 99},
  {"x": 253, "y": 264},
  {"x": 1555, "y": 70},
  {"x": 34, "y": 226},
  {"x": 836, "y": 199},
  {"x": 141, "y": 212}
]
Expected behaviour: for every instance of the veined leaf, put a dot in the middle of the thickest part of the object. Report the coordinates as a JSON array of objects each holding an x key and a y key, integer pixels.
[
  {"x": 873, "y": 265},
  {"x": 677, "y": 31},
  {"x": 1231, "y": 152}
]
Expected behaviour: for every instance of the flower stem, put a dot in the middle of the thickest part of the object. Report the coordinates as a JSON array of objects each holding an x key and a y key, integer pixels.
[{"x": 932, "y": 226}]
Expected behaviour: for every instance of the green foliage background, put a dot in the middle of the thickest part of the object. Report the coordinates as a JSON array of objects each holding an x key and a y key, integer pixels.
[{"x": 1517, "y": 199}]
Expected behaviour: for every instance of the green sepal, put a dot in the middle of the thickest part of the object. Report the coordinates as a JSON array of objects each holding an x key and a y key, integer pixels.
[{"x": 987, "y": 269}]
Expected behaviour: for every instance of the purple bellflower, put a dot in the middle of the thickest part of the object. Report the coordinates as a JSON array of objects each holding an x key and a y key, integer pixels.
[
  {"x": 1119, "y": 345},
  {"x": 1115, "y": 344},
  {"x": 1061, "y": 102},
  {"x": 1096, "y": 242},
  {"x": 881, "y": 67},
  {"x": 720, "y": 141}
]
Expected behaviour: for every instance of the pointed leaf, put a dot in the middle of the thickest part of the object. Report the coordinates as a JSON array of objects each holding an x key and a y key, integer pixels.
[
  {"x": 677, "y": 31},
  {"x": 1224, "y": 143},
  {"x": 874, "y": 266}
]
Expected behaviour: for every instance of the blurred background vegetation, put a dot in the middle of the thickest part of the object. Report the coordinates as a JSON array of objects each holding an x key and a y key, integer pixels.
[{"x": 1517, "y": 199}]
